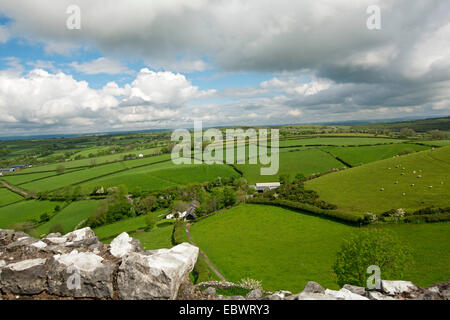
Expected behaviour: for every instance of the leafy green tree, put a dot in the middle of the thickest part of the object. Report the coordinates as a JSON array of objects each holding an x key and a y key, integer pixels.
[
  {"x": 370, "y": 247},
  {"x": 150, "y": 221}
]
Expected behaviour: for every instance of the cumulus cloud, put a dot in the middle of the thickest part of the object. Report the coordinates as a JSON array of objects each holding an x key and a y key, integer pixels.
[
  {"x": 101, "y": 65},
  {"x": 41, "y": 99},
  {"x": 328, "y": 65}
]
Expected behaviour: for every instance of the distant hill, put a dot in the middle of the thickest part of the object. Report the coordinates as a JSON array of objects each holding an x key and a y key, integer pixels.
[{"x": 421, "y": 125}]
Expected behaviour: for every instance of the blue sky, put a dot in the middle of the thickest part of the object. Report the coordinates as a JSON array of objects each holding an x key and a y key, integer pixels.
[{"x": 146, "y": 65}]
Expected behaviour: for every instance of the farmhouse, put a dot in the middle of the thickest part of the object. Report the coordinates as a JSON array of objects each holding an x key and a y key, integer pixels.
[
  {"x": 189, "y": 213},
  {"x": 262, "y": 186}
]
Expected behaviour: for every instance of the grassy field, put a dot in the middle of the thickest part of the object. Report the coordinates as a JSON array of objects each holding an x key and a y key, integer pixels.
[
  {"x": 157, "y": 238},
  {"x": 7, "y": 197},
  {"x": 62, "y": 180},
  {"x": 88, "y": 162},
  {"x": 163, "y": 175},
  {"x": 337, "y": 141},
  {"x": 70, "y": 216},
  {"x": 360, "y": 155},
  {"x": 359, "y": 189},
  {"x": 246, "y": 241},
  {"x": 18, "y": 179},
  {"x": 25, "y": 211},
  {"x": 107, "y": 232},
  {"x": 307, "y": 161},
  {"x": 441, "y": 143}
]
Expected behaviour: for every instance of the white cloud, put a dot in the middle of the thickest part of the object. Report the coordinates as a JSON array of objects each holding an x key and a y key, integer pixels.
[
  {"x": 40, "y": 99},
  {"x": 101, "y": 65}
]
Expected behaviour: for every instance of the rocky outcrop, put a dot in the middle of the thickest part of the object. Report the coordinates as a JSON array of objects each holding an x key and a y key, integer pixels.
[{"x": 78, "y": 266}]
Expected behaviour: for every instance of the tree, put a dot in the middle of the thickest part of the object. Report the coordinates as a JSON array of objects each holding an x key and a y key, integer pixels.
[
  {"x": 146, "y": 205},
  {"x": 370, "y": 247},
  {"x": 407, "y": 132},
  {"x": 179, "y": 206},
  {"x": 437, "y": 134},
  {"x": 150, "y": 221}
]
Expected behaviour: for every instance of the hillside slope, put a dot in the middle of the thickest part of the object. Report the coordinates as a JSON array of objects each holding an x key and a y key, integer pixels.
[{"x": 410, "y": 182}]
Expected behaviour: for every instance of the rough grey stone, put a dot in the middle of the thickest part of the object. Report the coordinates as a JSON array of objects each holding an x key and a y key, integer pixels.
[
  {"x": 254, "y": 294},
  {"x": 123, "y": 244},
  {"x": 355, "y": 289},
  {"x": 375, "y": 295},
  {"x": 80, "y": 274},
  {"x": 24, "y": 277},
  {"x": 210, "y": 291},
  {"x": 313, "y": 287},
  {"x": 397, "y": 287},
  {"x": 155, "y": 276},
  {"x": 344, "y": 294}
]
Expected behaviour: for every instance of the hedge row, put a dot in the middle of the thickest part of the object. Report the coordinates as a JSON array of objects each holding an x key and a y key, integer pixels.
[
  {"x": 438, "y": 217},
  {"x": 178, "y": 233},
  {"x": 331, "y": 214}
]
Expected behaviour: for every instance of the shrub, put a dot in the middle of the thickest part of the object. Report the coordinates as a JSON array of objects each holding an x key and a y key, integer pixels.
[
  {"x": 57, "y": 227},
  {"x": 251, "y": 283},
  {"x": 370, "y": 247},
  {"x": 178, "y": 233}
]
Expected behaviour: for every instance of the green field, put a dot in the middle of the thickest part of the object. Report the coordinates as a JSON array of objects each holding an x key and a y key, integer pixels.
[
  {"x": 157, "y": 238},
  {"x": 441, "y": 143},
  {"x": 18, "y": 179},
  {"x": 359, "y": 189},
  {"x": 25, "y": 211},
  {"x": 337, "y": 141},
  {"x": 360, "y": 155},
  {"x": 307, "y": 161},
  {"x": 107, "y": 232},
  {"x": 70, "y": 216},
  {"x": 7, "y": 197},
  {"x": 285, "y": 249},
  {"x": 163, "y": 175}
]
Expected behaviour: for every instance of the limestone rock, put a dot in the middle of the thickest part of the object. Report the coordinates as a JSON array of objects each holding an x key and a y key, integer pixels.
[
  {"x": 355, "y": 289},
  {"x": 80, "y": 274},
  {"x": 157, "y": 274},
  {"x": 124, "y": 244},
  {"x": 397, "y": 287},
  {"x": 24, "y": 277},
  {"x": 210, "y": 291},
  {"x": 313, "y": 287},
  {"x": 344, "y": 294},
  {"x": 254, "y": 294},
  {"x": 375, "y": 295}
]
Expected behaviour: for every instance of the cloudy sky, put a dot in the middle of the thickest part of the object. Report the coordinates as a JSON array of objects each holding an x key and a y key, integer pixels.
[{"x": 144, "y": 64}]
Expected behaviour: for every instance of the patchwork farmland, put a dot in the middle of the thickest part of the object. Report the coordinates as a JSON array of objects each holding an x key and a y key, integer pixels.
[{"x": 332, "y": 185}]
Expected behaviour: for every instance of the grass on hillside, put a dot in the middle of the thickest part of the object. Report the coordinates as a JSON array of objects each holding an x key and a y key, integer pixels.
[
  {"x": 70, "y": 216},
  {"x": 157, "y": 238},
  {"x": 7, "y": 197},
  {"x": 337, "y": 141},
  {"x": 25, "y": 211},
  {"x": 286, "y": 249},
  {"x": 307, "y": 162},
  {"x": 107, "y": 232},
  {"x": 360, "y": 155},
  {"x": 360, "y": 190}
]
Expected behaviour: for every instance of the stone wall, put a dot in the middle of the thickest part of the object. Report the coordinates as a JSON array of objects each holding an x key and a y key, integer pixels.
[{"x": 78, "y": 266}]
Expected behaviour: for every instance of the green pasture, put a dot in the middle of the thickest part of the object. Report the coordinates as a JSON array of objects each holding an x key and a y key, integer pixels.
[
  {"x": 26, "y": 210},
  {"x": 410, "y": 182},
  {"x": 7, "y": 197}
]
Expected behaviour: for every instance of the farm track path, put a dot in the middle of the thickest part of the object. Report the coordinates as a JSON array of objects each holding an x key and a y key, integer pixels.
[
  {"x": 20, "y": 191},
  {"x": 204, "y": 256}
]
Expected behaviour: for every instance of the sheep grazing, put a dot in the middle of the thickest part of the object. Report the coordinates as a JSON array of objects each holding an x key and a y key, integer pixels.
[
  {"x": 389, "y": 168},
  {"x": 442, "y": 182},
  {"x": 403, "y": 168},
  {"x": 403, "y": 173},
  {"x": 403, "y": 194},
  {"x": 430, "y": 187},
  {"x": 381, "y": 189},
  {"x": 396, "y": 182},
  {"x": 414, "y": 171},
  {"x": 412, "y": 184},
  {"x": 419, "y": 176}
]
